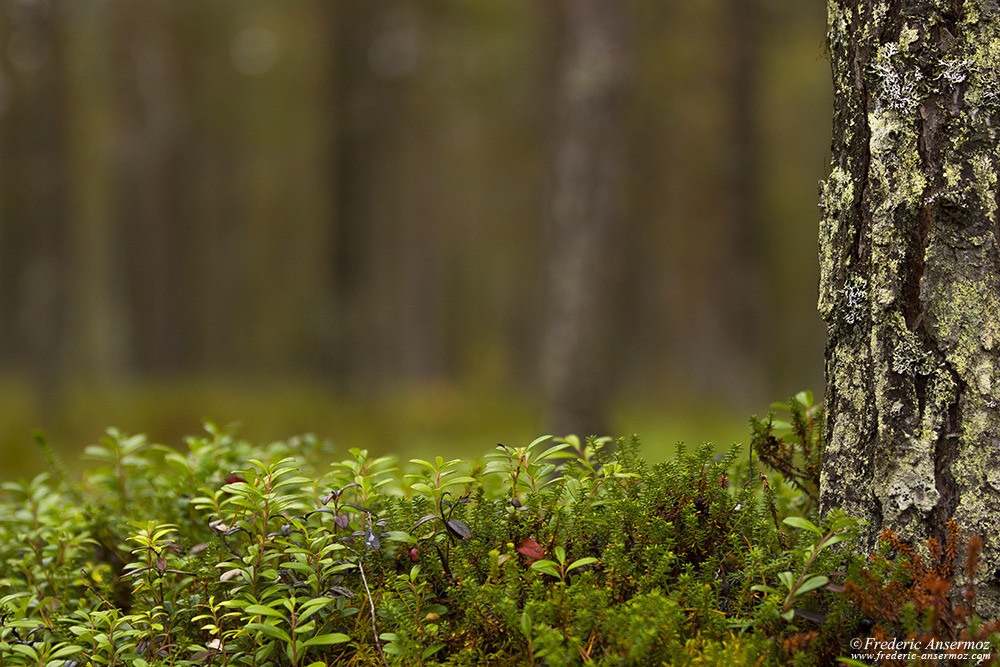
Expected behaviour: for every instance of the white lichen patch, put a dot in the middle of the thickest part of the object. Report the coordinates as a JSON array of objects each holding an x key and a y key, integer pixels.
[
  {"x": 954, "y": 71},
  {"x": 984, "y": 377},
  {"x": 910, "y": 482},
  {"x": 908, "y": 358},
  {"x": 885, "y": 127},
  {"x": 855, "y": 299},
  {"x": 899, "y": 89},
  {"x": 896, "y": 164}
]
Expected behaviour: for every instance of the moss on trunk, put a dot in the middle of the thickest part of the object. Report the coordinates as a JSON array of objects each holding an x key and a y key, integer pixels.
[{"x": 910, "y": 272}]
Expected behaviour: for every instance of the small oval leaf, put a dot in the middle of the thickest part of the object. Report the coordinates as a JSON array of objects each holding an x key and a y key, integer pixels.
[
  {"x": 812, "y": 583},
  {"x": 459, "y": 529},
  {"x": 806, "y": 524},
  {"x": 371, "y": 540}
]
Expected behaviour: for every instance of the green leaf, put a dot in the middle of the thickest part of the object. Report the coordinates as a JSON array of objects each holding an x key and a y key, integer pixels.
[
  {"x": 328, "y": 639},
  {"x": 833, "y": 540},
  {"x": 763, "y": 589},
  {"x": 176, "y": 461},
  {"x": 262, "y": 610},
  {"x": 526, "y": 626},
  {"x": 26, "y": 650},
  {"x": 787, "y": 578},
  {"x": 800, "y": 522},
  {"x": 540, "y": 439},
  {"x": 66, "y": 651},
  {"x": 812, "y": 583},
  {"x": 461, "y": 480},
  {"x": 552, "y": 451},
  {"x": 312, "y": 606},
  {"x": 547, "y": 567},
  {"x": 581, "y": 562},
  {"x": 401, "y": 536},
  {"x": 305, "y": 627},
  {"x": 270, "y": 631}
]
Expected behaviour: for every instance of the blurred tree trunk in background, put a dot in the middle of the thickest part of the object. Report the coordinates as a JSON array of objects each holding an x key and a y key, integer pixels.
[
  {"x": 152, "y": 117},
  {"x": 35, "y": 207},
  {"x": 587, "y": 215},
  {"x": 740, "y": 352},
  {"x": 388, "y": 194},
  {"x": 387, "y": 246},
  {"x": 910, "y": 275}
]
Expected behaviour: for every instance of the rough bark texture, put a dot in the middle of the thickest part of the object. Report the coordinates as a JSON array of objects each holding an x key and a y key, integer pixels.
[{"x": 910, "y": 272}]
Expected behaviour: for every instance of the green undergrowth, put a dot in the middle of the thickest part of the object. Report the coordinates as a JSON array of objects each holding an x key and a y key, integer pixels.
[{"x": 552, "y": 553}]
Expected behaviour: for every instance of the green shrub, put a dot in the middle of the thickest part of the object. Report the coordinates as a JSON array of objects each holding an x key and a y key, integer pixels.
[{"x": 552, "y": 554}]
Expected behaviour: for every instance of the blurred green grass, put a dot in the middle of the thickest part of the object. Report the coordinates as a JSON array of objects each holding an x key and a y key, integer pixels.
[{"x": 419, "y": 421}]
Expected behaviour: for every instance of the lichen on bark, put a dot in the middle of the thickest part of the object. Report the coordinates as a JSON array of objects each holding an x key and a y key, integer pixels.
[{"x": 910, "y": 272}]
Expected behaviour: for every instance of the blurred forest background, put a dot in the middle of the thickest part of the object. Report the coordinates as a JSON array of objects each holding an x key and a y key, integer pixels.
[{"x": 416, "y": 226}]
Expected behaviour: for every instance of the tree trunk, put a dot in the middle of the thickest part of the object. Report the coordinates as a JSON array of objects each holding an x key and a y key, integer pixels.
[
  {"x": 149, "y": 172},
  {"x": 586, "y": 216},
  {"x": 910, "y": 272},
  {"x": 36, "y": 296},
  {"x": 735, "y": 361}
]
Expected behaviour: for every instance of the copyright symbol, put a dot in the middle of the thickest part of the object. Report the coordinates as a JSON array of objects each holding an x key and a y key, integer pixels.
[{"x": 856, "y": 643}]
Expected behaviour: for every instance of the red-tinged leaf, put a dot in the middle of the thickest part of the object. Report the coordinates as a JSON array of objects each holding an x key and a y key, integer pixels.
[
  {"x": 459, "y": 528},
  {"x": 424, "y": 519},
  {"x": 340, "y": 590},
  {"x": 342, "y": 521},
  {"x": 813, "y": 616},
  {"x": 359, "y": 508},
  {"x": 371, "y": 540},
  {"x": 531, "y": 550}
]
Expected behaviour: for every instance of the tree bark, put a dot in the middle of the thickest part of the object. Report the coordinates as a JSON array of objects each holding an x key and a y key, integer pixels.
[
  {"x": 910, "y": 272},
  {"x": 586, "y": 216},
  {"x": 150, "y": 145},
  {"x": 35, "y": 203}
]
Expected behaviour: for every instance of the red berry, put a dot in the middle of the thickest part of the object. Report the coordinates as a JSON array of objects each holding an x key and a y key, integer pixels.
[{"x": 414, "y": 554}]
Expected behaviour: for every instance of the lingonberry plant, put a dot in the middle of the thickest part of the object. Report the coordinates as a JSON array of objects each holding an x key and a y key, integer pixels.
[{"x": 555, "y": 552}]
